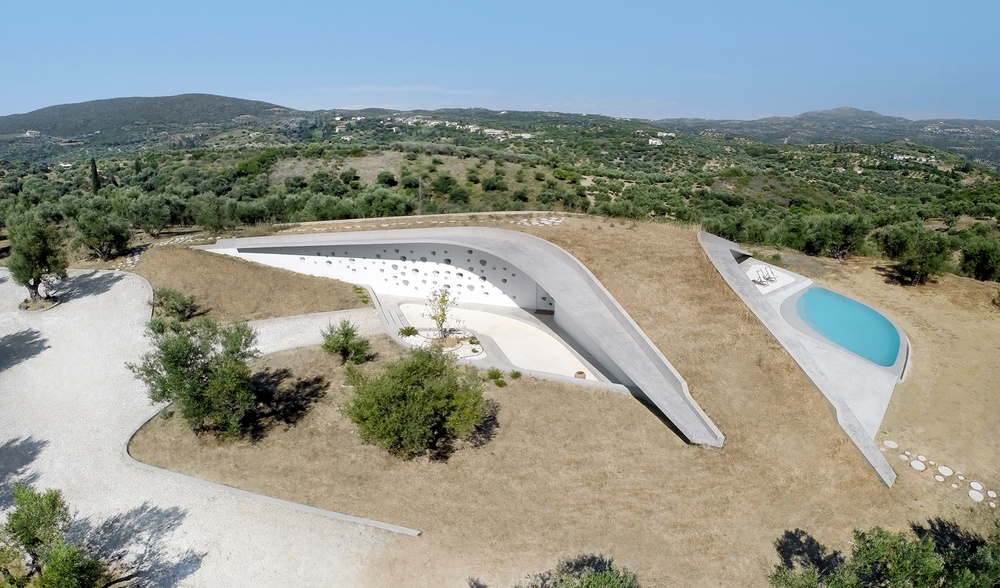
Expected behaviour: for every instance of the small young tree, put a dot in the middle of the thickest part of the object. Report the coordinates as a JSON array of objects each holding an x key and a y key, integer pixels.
[
  {"x": 36, "y": 254},
  {"x": 204, "y": 369},
  {"x": 345, "y": 341},
  {"x": 439, "y": 305}
]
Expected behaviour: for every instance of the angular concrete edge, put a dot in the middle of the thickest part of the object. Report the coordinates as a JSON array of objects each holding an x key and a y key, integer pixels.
[
  {"x": 585, "y": 309},
  {"x": 721, "y": 253}
]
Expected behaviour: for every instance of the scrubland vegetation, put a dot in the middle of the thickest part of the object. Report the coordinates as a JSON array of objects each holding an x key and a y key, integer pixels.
[{"x": 929, "y": 210}]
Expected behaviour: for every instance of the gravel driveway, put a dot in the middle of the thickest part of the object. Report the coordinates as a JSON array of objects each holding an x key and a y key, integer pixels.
[{"x": 67, "y": 407}]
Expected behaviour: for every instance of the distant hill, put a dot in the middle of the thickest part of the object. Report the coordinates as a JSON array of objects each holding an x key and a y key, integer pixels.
[
  {"x": 975, "y": 139},
  {"x": 115, "y": 114}
]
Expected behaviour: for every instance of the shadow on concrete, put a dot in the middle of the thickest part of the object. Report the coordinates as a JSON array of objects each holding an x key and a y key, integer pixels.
[
  {"x": 20, "y": 346},
  {"x": 136, "y": 542},
  {"x": 90, "y": 284},
  {"x": 799, "y": 549},
  {"x": 281, "y": 402},
  {"x": 15, "y": 457}
]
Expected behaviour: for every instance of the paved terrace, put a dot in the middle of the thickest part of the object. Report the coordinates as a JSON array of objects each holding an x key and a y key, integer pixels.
[{"x": 858, "y": 391}]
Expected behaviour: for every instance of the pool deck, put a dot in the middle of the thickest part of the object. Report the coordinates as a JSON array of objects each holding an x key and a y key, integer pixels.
[{"x": 858, "y": 390}]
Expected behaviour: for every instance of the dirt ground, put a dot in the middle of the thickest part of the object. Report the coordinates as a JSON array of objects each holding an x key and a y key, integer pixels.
[{"x": 574, "y": 470}]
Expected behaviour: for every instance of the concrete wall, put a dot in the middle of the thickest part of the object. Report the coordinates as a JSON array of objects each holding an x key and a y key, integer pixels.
[
  {"x": 500, "y": 268},
  {"x": 411, "y": 269}
]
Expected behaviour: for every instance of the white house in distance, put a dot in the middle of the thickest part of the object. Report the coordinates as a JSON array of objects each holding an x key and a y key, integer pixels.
[{"x": 655, "y": 142}]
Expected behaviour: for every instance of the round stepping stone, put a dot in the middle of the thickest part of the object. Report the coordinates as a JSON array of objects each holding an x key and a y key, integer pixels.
[
  {"x": 907, "y": 452},
  {"x": 939, "y": 478},
  {"x": 976, "y": 486},
  {"x": 954, "y": 485},
  {"x": 930, "y": 463},
  {"x": 961, "y": 477},
  {"x": 945, "y": 470},
  {"x": 901, "y": 456},
  {"x": 991, "y": 494},
  {"x": 921, "y": 458},
  {"x": 993, "y": 505},
  {"x": 976, "y": 495},
  {"x": 918, "y": 465}
]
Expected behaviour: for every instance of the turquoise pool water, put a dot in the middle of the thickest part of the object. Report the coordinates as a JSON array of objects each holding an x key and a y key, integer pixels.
[{"x": 850, "y": 324}]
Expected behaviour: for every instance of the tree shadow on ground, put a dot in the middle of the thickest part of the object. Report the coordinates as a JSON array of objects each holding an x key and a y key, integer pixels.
[
  {"x": 90, "y": 284},
  {"x": 20, "y": 346},
  {"x": 895, "y": 275},
  {"x": 950, "y": 540},
  {"x": 485, "y": 431},
  {"x": 15, "y": 457},
  {"x": 282, "y": 400},
  {"x": 799, "y": 548},
  {"x": 137, "y": 542}
]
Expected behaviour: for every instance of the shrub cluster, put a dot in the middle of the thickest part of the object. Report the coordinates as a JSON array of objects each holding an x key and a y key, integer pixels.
[
  {"x": 416, "y": 404},
  {"x": 345, "y": 341}
]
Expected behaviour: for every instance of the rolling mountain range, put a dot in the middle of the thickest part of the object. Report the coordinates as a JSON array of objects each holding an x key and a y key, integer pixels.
[
  {"x": 128, "y": 124},
  {"x": 975, "y": 139}
]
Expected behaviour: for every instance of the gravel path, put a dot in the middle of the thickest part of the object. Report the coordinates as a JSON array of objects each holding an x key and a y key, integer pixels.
[{"x": 68, "y": 405}]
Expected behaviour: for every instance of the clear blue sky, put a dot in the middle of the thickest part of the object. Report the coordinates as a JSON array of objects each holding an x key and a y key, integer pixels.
[{"x": 652, "y": 59}]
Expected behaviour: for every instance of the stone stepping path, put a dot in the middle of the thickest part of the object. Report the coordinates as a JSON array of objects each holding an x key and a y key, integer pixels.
[{"x": 943, "y": 473}]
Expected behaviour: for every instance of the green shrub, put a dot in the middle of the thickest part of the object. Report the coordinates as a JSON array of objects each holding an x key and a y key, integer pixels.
[
  {"x": 500, "y": 383},
  {"x": 494, "y": 373},
  {"x": 416, "y": 404},
  {"x": 204, "y": 369},
  {"x": 408, "y": 331},
  {"x": 172, "y": 304},
  {"x": 584, "y": 571},
  {"x": 515, "y": 375},
  {"x": 362, "y": 294},
  {"x": 345, "y": 341},
  {"x": 34, "y": 545}
]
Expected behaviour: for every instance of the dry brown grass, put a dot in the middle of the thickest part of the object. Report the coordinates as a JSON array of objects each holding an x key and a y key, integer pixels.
[
  {"x": 573, "y": 469},
  {"x": 230, "y": 289}
]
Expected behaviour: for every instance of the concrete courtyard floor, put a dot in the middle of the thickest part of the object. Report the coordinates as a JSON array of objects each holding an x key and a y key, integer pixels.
[{"x": 68, "y": 405}]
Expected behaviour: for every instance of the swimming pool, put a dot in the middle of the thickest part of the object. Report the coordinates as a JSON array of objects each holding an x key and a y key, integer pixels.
[{"x": 847, "y": 323}]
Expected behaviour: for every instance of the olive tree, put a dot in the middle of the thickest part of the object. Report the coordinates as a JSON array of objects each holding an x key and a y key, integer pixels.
[
  {"x": 34, "y": 544},
  {"x": 204, "y": 369},
  {"x": 36, "y": 253}
]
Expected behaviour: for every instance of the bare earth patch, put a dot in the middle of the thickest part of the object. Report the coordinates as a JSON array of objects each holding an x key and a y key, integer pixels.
[{"x": 578, "y": 470}]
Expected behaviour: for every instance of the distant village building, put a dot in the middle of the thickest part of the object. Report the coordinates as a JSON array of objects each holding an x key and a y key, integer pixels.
[
  {"x": 492, "y": 132},
  {"x": 340, "y": 129},
  {"x": 655, "y": 142},
  {"x": 662, "y": 134},
  {"x": 32, "y": 133}
]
